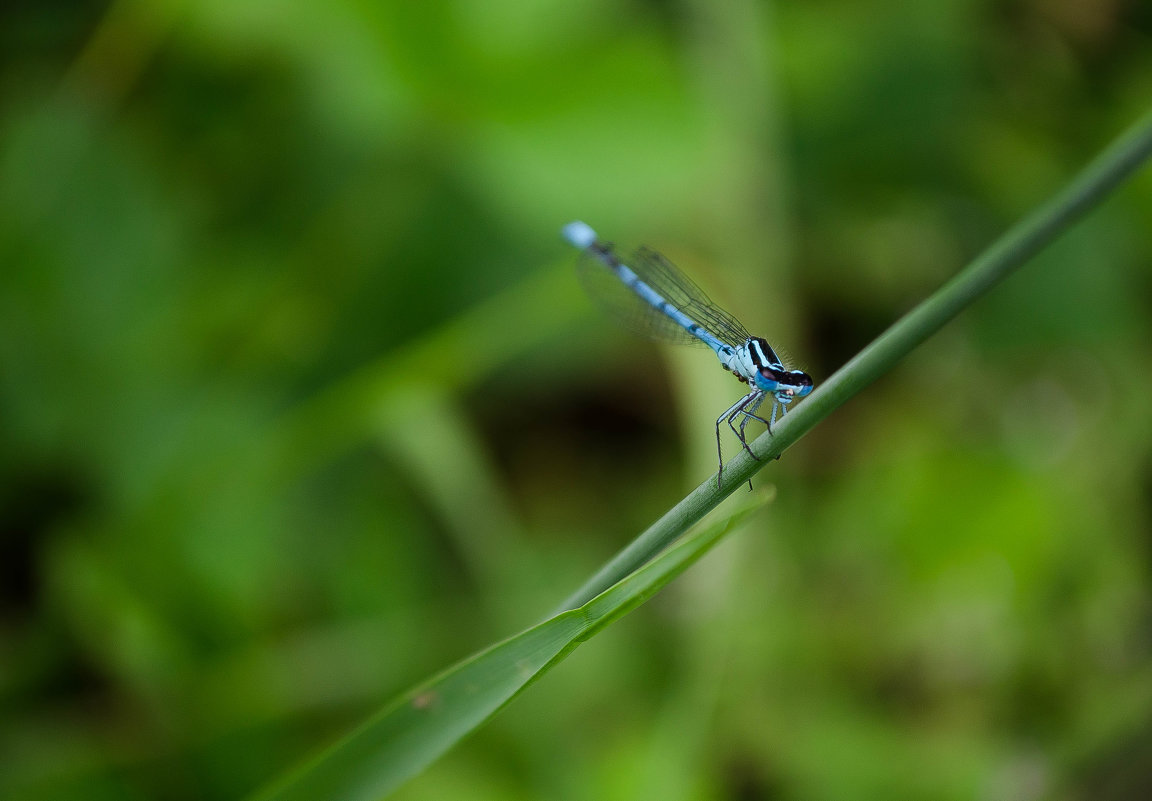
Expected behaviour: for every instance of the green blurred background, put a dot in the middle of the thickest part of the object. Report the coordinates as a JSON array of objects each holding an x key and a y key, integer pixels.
[{"x": 300, "y": 400}]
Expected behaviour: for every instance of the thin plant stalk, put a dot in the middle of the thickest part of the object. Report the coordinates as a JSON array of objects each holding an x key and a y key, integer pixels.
[{"x": 1015, "y": 247}]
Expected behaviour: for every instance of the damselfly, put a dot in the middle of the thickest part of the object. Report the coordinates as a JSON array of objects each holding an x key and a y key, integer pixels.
[{"x": 654, "y": 298}]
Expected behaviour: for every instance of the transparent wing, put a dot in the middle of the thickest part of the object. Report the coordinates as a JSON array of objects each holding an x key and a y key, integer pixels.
[
  {"x": 629, "y": 309},
  {"x": 663, "y": 276},
  {"x": 675, "y": 287}
]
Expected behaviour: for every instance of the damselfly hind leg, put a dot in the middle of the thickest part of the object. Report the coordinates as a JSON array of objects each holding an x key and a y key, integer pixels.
[
  {"x": 731, "y": 420},
  {"x": 728, "y": 415},
  {"x": 744, "y": 409},
  {"x": 750, "y": 414}
]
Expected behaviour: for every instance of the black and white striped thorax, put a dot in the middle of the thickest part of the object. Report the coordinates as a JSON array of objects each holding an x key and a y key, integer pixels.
[
  {"x": 762, "y": 354},
  {"x": 750, "y": 358}
]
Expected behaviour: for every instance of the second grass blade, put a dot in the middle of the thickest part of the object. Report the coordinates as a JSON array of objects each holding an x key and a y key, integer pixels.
[{"x": 421, "y": 725}]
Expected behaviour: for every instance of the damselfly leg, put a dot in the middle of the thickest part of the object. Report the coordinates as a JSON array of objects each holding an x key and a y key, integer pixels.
[
  {"x": 752, "y": 400},
  {"x": 750, "y": 414}
]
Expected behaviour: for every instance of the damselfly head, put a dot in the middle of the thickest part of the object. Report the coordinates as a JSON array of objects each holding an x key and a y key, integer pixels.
[{"x": 786, "y": 385}]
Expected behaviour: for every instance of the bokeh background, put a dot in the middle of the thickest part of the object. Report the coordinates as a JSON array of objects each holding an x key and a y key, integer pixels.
[{"x": 301, "y": 402}]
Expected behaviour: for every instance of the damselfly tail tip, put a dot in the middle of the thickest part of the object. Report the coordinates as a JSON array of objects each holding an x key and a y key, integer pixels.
[{"x": 579, "y": 234}]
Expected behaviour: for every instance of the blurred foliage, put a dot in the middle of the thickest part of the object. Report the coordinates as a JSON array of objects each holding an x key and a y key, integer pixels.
[{"x": 300, "y": 402}]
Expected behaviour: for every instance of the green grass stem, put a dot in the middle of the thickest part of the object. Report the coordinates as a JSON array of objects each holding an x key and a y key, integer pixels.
[{"x": 1015, "y": 247}]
